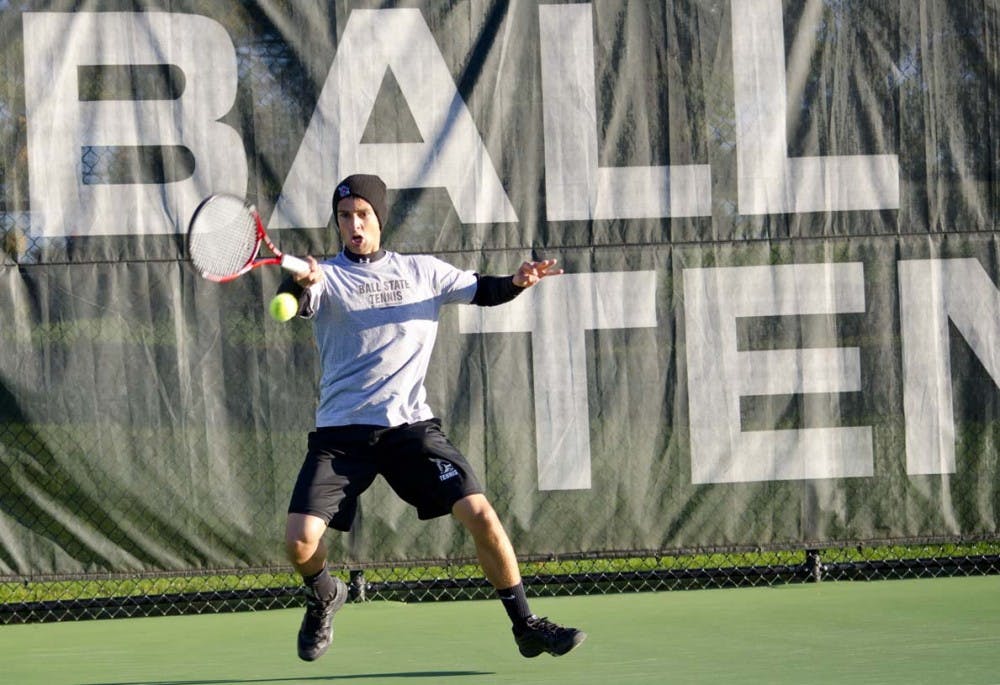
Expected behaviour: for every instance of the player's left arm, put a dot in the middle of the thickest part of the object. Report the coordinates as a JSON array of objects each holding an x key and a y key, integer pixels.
[
  {"x": 494, "y": 290},
  {"x": 531, "y": 273}
]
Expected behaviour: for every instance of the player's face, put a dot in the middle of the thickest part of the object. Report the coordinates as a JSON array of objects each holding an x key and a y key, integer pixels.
[{"x": 359, "y": 228}]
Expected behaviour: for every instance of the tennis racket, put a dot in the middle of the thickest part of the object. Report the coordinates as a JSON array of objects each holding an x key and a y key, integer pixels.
[{"x": 224, "y": 238}]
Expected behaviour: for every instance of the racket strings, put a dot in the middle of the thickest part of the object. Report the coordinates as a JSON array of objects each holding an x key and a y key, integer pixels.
[{"x": 223, "y": 237}]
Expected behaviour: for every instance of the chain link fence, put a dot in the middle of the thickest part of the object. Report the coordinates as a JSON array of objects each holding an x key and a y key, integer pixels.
[{"x": 105, "y": 596}]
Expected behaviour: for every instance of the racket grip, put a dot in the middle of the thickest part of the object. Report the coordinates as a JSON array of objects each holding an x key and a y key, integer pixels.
[{"x": 294, "y": 264}]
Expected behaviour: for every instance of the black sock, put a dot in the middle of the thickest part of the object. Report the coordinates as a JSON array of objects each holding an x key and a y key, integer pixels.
[
  {"x": 516, "y": 604},
  {"x": 321, "y": 585}
]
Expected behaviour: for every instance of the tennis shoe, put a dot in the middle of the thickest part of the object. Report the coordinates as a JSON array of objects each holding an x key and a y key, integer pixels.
[
  {"x": 539, "y": 635},
  {"x": 316, "y": 632}
]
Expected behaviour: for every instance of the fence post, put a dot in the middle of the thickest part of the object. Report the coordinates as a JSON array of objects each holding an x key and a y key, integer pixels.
[
  {"x": 356, "y": 589},
  {"x": 814, "y": 565}
]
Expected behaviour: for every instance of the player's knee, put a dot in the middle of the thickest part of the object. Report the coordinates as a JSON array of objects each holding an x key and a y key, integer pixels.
[
  {"x": 299, "y": 551},
  {"x": 302, "y": 539}
]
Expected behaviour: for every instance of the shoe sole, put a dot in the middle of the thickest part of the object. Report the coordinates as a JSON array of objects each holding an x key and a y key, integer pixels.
[{"x": 338, "y": 602}]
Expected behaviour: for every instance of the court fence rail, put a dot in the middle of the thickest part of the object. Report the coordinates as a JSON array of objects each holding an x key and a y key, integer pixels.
[{"x": 40, "y": 599}]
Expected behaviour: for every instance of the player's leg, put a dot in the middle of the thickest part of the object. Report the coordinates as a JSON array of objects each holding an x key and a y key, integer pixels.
[
  {"x": 496, "y": 555},
  {"x": 325, "y": 495},
  {"x": 305, "y": 550},
  {"x": 325, "y": 593},
  {"x": 426, "y": 470},
  {"x": 493, "y": 547}
]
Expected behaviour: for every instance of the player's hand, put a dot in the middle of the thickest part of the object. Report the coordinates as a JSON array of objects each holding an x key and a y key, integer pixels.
[
  {"x": 531, "y": 272},
  {"x": 311, "y": 277}
]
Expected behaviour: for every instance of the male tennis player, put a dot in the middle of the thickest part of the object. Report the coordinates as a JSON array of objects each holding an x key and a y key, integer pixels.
[{"x": 375, "y": 318}]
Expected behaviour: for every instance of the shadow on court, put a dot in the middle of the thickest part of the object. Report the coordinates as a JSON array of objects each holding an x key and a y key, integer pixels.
[{"x": 316, "y": 678}]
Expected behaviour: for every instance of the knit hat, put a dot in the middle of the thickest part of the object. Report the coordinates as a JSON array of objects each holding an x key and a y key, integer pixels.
[{"x": 368, "y": 187}]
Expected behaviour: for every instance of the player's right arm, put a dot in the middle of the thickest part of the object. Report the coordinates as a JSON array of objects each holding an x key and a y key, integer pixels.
[{"x": 301, "y": 286}]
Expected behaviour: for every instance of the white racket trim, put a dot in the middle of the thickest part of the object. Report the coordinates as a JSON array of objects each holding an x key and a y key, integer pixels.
[{"x": 294, "y": 264}]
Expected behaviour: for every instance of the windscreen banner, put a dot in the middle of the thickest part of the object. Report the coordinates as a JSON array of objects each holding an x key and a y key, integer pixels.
[{"x": 779, "y": 324}]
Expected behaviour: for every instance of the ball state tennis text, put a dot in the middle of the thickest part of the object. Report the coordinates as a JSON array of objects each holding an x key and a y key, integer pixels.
[{"x": 378, "y": 293}]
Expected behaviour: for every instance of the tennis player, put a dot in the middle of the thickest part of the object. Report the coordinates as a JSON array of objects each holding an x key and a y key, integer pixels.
[{"x": 375, "y": 317}]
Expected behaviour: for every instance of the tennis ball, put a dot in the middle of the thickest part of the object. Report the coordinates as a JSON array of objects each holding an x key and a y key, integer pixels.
[{"x": 284, "y": 306}]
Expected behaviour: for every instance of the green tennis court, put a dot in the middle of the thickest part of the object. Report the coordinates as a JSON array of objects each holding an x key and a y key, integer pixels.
[{"x": 914, "y": 631}]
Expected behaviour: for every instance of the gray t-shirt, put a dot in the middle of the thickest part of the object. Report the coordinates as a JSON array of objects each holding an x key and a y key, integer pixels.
[{"x": 375, "y": 325}]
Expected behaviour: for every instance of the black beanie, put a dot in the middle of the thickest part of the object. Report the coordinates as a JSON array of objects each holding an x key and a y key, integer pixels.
[{"x": 368, "y": 187}]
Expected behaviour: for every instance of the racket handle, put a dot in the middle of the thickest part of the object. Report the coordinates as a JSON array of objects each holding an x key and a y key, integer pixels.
[{"x": 294, "y": 264}]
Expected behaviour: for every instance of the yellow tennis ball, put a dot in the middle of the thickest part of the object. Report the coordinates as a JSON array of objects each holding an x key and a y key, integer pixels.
[{"x": 284, "y": 306}]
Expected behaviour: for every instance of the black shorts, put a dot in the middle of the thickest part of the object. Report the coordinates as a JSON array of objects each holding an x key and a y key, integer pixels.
[{"x": 416, "y": 459}]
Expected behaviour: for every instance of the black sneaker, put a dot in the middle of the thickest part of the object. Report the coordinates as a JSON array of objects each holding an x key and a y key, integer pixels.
[
  {"x": 539, "y": 635},
  {"x": 316, "y": 632}
]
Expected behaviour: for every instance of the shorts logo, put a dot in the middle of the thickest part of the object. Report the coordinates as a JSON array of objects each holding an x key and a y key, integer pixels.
[{"x": 446, "y": 469}]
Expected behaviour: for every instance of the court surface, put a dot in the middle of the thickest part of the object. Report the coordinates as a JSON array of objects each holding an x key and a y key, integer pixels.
[{"x": 940, "y": 631}]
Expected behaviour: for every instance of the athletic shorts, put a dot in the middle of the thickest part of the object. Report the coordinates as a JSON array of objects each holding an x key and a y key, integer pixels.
[{"x": 416, "y": 459}]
